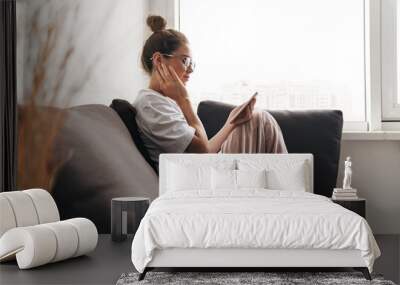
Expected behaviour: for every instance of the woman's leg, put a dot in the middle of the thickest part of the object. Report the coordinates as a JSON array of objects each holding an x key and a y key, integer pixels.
[{"x": 261, "y": 134}]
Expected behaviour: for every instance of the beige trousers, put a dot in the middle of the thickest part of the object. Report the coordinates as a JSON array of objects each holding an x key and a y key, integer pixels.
[{"x": 261, "y": 134}]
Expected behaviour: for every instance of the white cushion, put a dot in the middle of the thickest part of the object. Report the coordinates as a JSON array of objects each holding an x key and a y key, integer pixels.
[
  {"x": 45, "y": 205},
  {"x": 291, "y": 175},
  {"x": 26, "y": 208},
  {"x": 231, "y": 180},
  {"x": 32, "y": 246},
  {"x": 251, "y": 178},
  {"x": 67, "y": 237},
  {"x": 87, "y": 233},
  {"x": 7, "y": 218},
  {"x": 23, "y": 208},
  {"x": 174, "y": 166},
  {"x": 279, "y": 162},
  {"x": 292, "y": 179},
  {"x": 188, "y": 177},
  {"x": 223, "y": 179}
]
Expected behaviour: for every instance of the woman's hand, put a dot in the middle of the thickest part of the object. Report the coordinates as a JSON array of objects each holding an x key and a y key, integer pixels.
[
  {"x": 170, "y": 83},
  {"x": 245, "y": 115}
]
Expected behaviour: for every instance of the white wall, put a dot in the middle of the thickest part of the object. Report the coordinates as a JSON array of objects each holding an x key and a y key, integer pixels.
[
  {"x": 376, "y": 175},
  {"x": 107, "y": 37}
]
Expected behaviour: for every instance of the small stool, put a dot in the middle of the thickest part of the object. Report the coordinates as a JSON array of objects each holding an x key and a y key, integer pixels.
[{"x": 126, "y": 214}]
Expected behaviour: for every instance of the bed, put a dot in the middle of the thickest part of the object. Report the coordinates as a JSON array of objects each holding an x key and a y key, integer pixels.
[{"x": 247, "y": 210}]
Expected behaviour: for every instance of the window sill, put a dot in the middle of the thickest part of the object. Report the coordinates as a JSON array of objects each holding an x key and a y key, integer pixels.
[{"x": 371, "y": 136}]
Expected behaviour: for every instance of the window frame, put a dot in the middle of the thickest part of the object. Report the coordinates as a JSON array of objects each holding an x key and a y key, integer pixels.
[{"x": 375, "y": 95}]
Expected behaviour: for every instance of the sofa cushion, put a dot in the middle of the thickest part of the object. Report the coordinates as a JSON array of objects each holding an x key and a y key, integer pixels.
[
  {"x": 103, "y": 163},
  {"x": 313, "y": 131},
  {"x": 127, "y": 113}
]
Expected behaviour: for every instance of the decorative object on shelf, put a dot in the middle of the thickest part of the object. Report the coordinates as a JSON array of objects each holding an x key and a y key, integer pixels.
[
  {"x": 347, "y": 173},
  {"x": 126, "y": 214},
  {"x": 31, "y": 231},
  {"x": 347, "y": 192}
]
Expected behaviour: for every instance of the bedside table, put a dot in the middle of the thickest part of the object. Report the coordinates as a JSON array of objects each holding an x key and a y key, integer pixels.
[
  {"x": 356, "y": 205},
  {"x": 126, "y": 214}
]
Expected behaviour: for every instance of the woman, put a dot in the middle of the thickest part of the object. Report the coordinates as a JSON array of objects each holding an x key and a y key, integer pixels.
[{"x": 166, "y": 119}]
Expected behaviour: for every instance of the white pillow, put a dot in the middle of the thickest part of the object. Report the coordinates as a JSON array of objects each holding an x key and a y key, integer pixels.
[
  {"x": 292, "y": 179},
  {"x": 251, "y": 178},
  {"x": 227, "y": 179},
  {"x": 280, "y": 174},
  {"x": 188, "y": 177},
  {"x": 223, "y": 179}
]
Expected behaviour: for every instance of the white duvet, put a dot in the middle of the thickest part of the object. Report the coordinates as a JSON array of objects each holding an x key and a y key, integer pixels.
[{"x": 252, "y": 218}]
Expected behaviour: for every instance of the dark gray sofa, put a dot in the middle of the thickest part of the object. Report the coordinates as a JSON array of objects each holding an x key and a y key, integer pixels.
[{"x": 106, "y": 158}]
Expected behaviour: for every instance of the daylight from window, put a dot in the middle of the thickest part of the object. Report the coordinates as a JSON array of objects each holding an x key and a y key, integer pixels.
[
  {"x": 398, "y": 53},
  {"x": 296, "y": 54}
]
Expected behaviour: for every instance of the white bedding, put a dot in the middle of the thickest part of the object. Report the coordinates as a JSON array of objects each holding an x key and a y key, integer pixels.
[{"x": 251, "y": 218}]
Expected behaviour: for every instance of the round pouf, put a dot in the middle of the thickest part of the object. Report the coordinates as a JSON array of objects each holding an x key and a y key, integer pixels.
[{"x": 126, "y": 214}]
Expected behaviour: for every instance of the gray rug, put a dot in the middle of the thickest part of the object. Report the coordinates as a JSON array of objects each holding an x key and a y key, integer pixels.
[{"x": 230, "y": 278}]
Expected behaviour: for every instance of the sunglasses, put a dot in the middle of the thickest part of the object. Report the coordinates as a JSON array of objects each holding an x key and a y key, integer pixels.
[{"x": 187, "y": 61}]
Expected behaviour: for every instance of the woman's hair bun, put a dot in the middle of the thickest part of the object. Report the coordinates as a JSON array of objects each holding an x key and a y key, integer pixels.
[{"x": 156, "y": 23}]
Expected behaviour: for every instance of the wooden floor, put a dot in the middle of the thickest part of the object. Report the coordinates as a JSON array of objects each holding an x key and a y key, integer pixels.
[{"x": 110, "y": 260}]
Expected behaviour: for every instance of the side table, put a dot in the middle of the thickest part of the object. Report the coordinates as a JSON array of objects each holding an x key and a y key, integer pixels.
[
  {"x": 126, "y": 214},
  {"x": 355, "y": 205}
]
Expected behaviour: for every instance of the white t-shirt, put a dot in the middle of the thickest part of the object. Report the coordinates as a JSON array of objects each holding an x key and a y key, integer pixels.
[{"x": 162, "y": 125}]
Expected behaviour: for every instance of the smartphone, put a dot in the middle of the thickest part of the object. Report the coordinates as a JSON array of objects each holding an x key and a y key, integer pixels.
[{"x": 244, "y": 106}]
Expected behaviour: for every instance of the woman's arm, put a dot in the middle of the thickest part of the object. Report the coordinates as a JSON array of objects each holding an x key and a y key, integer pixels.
[
  {"x": 216, "y": 141},
  {"x": 245, "y": 115},
  {"x": 199, "y": 143}
]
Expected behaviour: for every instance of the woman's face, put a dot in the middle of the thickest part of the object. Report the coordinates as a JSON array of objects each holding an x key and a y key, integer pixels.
[{"x": 180, "y": 60}]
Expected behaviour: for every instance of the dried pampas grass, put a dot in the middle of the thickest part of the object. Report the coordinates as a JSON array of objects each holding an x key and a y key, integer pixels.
[{"x": 39, "y": 121}]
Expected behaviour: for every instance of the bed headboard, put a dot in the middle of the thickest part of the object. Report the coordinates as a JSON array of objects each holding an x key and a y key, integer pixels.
[{"x": 272, "y": 160}]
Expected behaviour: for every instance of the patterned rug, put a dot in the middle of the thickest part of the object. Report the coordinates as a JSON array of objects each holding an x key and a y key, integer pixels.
[{"x": 269, "y": 278}]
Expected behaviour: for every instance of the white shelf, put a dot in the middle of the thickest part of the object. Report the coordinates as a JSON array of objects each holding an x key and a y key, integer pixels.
[{"x": 371, "y": 136}]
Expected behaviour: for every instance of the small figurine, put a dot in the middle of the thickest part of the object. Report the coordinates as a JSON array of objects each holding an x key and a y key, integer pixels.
[{"x": 347, "y": 173}]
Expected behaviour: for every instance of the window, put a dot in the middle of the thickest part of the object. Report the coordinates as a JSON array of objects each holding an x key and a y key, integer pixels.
[
  {"x": 398, "y": 52},
  {"x": 307, "y": 54},
  {"x": 390, "y": 35}
]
